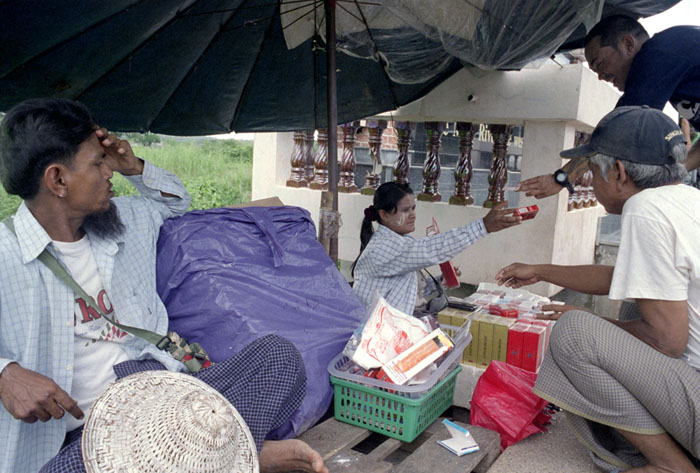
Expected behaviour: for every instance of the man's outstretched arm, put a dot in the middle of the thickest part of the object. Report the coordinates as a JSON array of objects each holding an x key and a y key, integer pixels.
[
  {"x": 543, "y": 186},
  {"x": 589, "y": 279}
]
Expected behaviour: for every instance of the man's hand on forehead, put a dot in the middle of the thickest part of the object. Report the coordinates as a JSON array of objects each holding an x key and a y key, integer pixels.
[{"x": 119, "y": 155}]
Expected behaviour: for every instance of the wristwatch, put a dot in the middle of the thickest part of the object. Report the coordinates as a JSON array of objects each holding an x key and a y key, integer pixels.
[{"x": 562, "y": 178}]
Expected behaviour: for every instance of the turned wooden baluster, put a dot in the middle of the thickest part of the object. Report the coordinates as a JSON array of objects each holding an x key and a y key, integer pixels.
[
  {"x": 431, "y": 165},
  {"x": 403, "y": 141},
  {"x": 347, "y": 162},
  {"x": 320, "y": 181},
  {"x": 298, "y": 160},
  {"x": 498, "y": 175},
  {"x": 309, "y": 153},
  {"x": 463, "y": 169},
  {"x": 375, "y": 129},
  {"x": 578, "y": 199}
]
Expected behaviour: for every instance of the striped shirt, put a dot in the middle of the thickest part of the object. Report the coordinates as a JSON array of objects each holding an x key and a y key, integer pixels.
[
  {"x": 36, "y": 308},
  {"x": 388, "y": 266}
]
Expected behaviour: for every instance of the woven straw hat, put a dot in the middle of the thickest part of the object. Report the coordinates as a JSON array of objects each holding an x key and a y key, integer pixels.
[{"x": 158, "y": 421}]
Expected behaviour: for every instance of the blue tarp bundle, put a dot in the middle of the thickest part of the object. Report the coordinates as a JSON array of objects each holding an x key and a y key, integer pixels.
[{"x": 229, "y": 276}]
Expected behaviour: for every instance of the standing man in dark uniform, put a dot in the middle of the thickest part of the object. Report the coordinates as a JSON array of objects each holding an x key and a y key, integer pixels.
[{"x": 649, "y": 71}]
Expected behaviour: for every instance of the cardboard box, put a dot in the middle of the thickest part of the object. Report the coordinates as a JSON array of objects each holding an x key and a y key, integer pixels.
[
  {"x": 444, "y": 318},
  {"x": 515, "y": 344},
  {"x": 533, "y": 347},
  {"x": 484, "y": 348},
  {"x": 501, "y": 325},
  {"x": 470, "y": 352}
]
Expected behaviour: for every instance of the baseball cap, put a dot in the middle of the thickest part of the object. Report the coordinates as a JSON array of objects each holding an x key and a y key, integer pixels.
[{"x": 641, "y": 135}]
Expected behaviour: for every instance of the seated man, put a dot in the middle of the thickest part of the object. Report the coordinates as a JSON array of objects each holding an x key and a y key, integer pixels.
[
  {"x": 56, "y": 353},
  {"x": 632, "y": 387}
]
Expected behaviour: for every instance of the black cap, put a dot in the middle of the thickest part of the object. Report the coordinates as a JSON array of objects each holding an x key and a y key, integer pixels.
[{"x": 639, "y": 134}]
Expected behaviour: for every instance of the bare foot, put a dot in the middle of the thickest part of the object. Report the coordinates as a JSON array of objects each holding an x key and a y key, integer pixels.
[{"x": 278, "y": 456}]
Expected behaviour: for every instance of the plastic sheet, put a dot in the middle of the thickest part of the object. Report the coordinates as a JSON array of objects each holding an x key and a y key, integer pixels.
[
  {"x": 228, "y": 276},
  {"x": 417, "y": 39}
]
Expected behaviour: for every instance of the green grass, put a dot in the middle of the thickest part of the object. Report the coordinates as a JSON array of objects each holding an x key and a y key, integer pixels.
[{"x": 216, "y": 173}]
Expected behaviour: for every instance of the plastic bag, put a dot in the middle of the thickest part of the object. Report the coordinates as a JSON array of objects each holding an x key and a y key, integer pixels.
[
  {"x": 230, "y": 276},
  {"x": 503, "y": 401},
  {"x": 386, "y": 333}
]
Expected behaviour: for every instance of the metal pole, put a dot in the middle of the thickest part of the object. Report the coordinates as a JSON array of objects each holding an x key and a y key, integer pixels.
[{"x": 332, "y": 102}]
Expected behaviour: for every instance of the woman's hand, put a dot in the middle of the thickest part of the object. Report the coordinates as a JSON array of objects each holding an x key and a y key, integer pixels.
[{"x": 500, "y": 218}]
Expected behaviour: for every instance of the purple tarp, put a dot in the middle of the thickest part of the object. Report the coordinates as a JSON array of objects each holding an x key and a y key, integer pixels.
[{"x": 229, "y": 276}]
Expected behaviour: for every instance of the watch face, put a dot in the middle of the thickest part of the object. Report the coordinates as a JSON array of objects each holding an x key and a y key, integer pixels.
[{"x": 560, "y": 177}]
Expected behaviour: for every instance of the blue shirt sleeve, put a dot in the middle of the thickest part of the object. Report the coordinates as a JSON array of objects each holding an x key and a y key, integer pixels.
[{"x": 663, "y": 63}]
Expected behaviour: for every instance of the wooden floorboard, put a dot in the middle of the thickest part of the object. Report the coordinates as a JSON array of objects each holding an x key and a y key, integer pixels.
[{"x": 349, "y": 449}]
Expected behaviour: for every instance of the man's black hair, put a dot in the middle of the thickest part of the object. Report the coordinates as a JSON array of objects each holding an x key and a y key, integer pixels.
[
  {"x": 612, "y": 28},
  {"x": 36, "y": 133}
]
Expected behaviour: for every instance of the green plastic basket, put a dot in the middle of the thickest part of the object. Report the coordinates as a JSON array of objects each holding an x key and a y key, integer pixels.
[{"x": 391, "y": 414}]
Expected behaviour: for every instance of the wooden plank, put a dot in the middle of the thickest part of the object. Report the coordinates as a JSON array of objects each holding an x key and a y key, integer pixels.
[
  {"x": 431, "y": 457},
  {"x": 348, "y": 460},
  {"x": 331, "y": 436}
]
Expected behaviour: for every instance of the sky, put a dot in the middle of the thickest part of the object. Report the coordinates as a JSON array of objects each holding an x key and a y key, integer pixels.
[{"x": 685, "y": 12}]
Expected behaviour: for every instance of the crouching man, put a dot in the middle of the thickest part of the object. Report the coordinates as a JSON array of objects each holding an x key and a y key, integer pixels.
[
  {"x": 631, "y": 387},
  {"x": 57, "y": 355}
]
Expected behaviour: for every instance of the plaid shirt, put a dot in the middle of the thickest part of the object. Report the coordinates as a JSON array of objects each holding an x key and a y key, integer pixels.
[
  {"x": 36, "y": 308},
  {"x": 388, "y": 265}
]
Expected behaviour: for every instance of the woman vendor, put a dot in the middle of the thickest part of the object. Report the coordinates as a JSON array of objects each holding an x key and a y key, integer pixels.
[{"x": 390, "y": 260}]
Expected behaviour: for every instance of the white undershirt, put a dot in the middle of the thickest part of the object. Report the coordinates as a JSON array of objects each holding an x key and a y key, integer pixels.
[
  {"x": 659, "y": 255},
  {"x": 97, "y": 342}
]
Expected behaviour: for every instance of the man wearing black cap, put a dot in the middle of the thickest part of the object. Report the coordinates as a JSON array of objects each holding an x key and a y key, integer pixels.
[
  {"x": 630, "y": 386},
  {"x": 649, "y": 71}
]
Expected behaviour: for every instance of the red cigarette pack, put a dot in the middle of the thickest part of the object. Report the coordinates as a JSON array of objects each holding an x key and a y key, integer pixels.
[
  {"x": 449, "y": 274},
  {"x": 547, "y": 324},
  {"x": 503, "y": 311},
  {"x": 526, "y": 212},
  {"x": 515, "y": 344},
  {"x": 533, "y": 347}
]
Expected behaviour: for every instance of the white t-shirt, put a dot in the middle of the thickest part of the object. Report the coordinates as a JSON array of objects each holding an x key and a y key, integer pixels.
[
  {"x": 659, "y": 255},
  {"x": 97, "y": 342}
]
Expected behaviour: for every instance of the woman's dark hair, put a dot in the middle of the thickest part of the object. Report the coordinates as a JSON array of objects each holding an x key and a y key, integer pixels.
[
  {"x": 36, "y": 133},
  {"x": 386, "y": 198}
]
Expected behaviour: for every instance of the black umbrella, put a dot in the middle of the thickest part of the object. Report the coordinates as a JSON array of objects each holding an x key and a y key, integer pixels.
[{"x": 195, "y": 67}]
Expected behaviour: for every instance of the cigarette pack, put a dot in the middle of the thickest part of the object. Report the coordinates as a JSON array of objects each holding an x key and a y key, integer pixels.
[
  {"x": 449, "y": 274},
  {"x": 412, "y": 361},
  {"x": 533, "y": 347},
  {"x": 515, "y": 344},
  {"x": 485, "y": 341},
  {"x": 501, "y": 325},
  {"x": 547, "y": 324},
  {"x": 503, "y": 310},
  {"x": 461, "y": 441},
  {"x": 469, "y": 355},
  {"x": 526, "y": 212}
]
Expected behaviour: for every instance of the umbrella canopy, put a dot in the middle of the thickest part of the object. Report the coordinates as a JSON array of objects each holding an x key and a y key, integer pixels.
[{"x": 192, "y": 67}]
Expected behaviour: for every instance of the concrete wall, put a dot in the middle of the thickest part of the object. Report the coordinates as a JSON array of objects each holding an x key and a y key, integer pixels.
[{"x": 552, "y": 103}]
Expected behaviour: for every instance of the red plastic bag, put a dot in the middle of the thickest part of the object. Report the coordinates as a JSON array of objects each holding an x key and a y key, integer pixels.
[{"x": 503, "y": 401}]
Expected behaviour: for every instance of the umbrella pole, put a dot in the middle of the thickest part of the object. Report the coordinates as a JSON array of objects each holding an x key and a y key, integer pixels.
[{"x": 332, "y": 102}]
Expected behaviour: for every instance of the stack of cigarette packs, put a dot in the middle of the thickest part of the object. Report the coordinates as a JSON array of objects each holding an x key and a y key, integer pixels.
[{"x": 504, "y": 327}]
